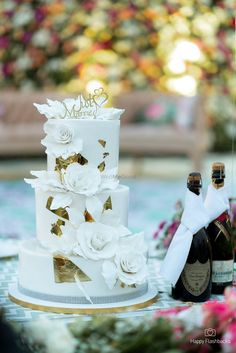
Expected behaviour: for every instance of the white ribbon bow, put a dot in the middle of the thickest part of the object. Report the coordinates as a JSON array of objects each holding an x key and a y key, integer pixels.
[
  {"x": 193, "y": 219},
  {"x": 216, "y": 202}
]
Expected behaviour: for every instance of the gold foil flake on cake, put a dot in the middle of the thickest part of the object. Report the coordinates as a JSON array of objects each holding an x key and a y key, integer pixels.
[
  {"x": 102, "y": 166},
  {"x": 56, "y": 228},
  {"x": 65, "y": 270},
  {"x": 62, "y": 163},
  {"x": 61, "y": 211},
  {"x": 105, "y": 154},
  {"x": 88, "y": 217},
  {"x": 102, "y": 142},
  {"x": 107, "y": 204},
  {"x": 86, "y": 106}
]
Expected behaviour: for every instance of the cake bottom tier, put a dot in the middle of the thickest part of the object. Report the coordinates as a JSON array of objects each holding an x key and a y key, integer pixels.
[{"x": 51, "y": 277}]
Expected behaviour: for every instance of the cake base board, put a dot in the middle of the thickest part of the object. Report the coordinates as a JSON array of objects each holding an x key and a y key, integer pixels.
[{"x": 143, "y": 301}]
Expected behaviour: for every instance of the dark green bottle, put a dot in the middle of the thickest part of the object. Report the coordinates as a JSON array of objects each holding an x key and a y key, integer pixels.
[
  {"x": 222, "y": 241},
  {"x": 194, "y": 283}
]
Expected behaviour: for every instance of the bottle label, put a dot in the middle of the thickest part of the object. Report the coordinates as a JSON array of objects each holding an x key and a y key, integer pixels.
[
  {"x": 196, "y": 277},
  {"x": 222, "y": 271}
]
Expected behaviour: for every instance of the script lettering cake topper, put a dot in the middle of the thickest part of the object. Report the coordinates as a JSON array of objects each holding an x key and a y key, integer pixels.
[{"x": 85, "y": 107}]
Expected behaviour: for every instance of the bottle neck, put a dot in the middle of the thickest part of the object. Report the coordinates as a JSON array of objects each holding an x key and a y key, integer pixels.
[
  {"x": 218, "y": 183},
  {"x": 196, "y": 190}
]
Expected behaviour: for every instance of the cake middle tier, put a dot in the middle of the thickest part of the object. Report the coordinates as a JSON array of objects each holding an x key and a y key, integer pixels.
[
  {"x": 56, "y": 226},
  {"x": 95, "y": 142}
]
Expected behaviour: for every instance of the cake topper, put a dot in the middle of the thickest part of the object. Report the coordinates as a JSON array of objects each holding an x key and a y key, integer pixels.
[
  {"x": 85, "y": 107},
  {"x": 82, "y": 107}
]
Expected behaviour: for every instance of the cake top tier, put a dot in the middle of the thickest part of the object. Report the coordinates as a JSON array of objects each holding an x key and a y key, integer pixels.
[{"x": 83, "y": 107}]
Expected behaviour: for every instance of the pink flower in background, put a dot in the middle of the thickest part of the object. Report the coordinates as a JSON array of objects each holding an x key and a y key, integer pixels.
[
  {"x": 160, "y": 227},
  {"x": 4, "y": 42},
  {"x": 154, "y": 111},
  {"x": 170, "y": 311},
  {"x": 229, "y": 338}
]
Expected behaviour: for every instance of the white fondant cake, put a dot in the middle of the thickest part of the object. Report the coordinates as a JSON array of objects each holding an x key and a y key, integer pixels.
[{"x": 84, "y": 252}]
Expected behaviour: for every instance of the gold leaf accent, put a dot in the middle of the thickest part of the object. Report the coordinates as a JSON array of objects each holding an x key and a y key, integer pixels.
[
  {"x": 102, "y": 142},
  {"x": 105, "y": 154},
  {"x": 61, "y": 212},
  {"x": 56, "y": 228},
  {"x": 107, "y": 204},
  {"x": 221, "y": 230},
  {"x": 102, "y": 166},
  {"x": 81, "y": 159},
  {"x": 62, "y": 163},
  {"x": 132, "y": 286},
  {"x": 88, "y": 217},
  {"x": 65, "y": 270}
]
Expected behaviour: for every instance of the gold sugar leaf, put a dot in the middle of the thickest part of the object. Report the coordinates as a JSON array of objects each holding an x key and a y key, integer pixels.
[
  {"x": 62, "y": 163},
  {"x": 105, "y": 154},
  {"x": 88, "y": 217},
  {"x": 103, "y": 143},
  {"x": 61, "y": 211},
  {"x": 56, "y": 228},
  {"x": 65, "y": 270},
  {"x": 107, "y": 204},
  {"x": 102, "y": 166}
]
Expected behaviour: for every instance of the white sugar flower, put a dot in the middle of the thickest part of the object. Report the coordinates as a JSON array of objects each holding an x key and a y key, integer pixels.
[
  {"x": 129, "y": 266},
  {"x": 61, "y": 140},
  {"x": 96, "y": 241},
  {"x": 95, "y": 208},
  {"x": 52, "y": 110},
  {"x": 82, "y": 179},
  {"x": 46, "y": 181}
]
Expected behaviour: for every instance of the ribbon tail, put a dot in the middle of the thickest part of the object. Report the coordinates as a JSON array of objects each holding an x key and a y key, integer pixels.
[
  {"x": 177, "y": 255},
  {"x": 80, "y": 286}
]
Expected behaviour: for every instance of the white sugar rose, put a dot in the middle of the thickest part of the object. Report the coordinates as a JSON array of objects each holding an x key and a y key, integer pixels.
[
  {"x": 61, "y": 140},
  {"x": 96, "y": 241},
  {"x": 131, "y": 267},
  {"x": 63, "y": 134},
  {"x": 82, "y": 179}
]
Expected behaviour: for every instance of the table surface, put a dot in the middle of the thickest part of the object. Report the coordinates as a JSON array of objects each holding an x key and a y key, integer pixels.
[{"x": 14, "y": 312}]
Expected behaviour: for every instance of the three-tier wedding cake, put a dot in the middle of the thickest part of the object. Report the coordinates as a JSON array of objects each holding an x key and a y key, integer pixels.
[{"x": 84, "y": 253}]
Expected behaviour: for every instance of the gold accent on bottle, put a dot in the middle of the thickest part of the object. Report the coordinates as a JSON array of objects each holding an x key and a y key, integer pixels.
[{"x": 218, "y": 175}]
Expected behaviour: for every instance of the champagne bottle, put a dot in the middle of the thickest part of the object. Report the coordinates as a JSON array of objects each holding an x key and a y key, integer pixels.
[
  {"x": 194, "y": 283},
  {"x": 221, "y": 238}
]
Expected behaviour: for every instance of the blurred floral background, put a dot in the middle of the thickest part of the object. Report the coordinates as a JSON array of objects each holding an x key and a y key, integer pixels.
[{"x": 182, "y": 46}]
